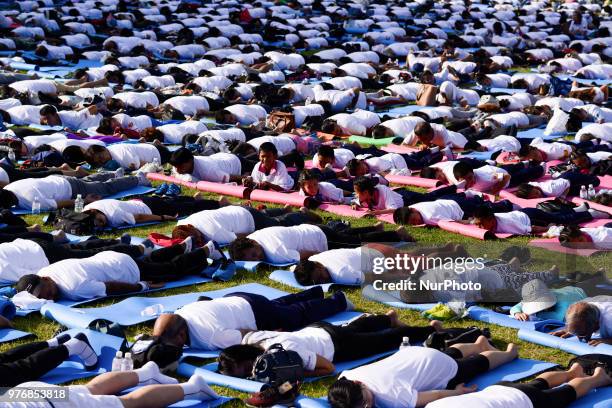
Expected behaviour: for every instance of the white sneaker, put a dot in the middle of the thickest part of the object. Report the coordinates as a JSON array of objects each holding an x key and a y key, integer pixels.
[{"x": 149, "y": 168}]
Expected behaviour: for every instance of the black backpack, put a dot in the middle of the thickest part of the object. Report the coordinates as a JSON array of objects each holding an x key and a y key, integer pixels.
[
  {"x": 72, "y": 222},
  {"x": 277, "y": 366},
  {"x": 589, "y": 362},
  {"x": 152, "y": 348},
  {"x": 558, "y": 204},
  {"x": 442, "y": 341}
]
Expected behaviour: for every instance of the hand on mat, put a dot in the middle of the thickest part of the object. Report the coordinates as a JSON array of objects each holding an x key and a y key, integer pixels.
[
  {"x": 564, "y": 334},
  {"x": 523, "y": 317},
  {"x": 5, "y": 323},
  {"x": 463, "y": 389},
  {"x": 596, "y": 342},
  {"x": 248, "y": 182},
  {"x": 90, "y": 198}
]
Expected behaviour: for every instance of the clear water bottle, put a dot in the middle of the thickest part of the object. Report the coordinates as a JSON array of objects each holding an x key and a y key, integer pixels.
[
  {"x": 127, "y": 364},
  {"x": 11, "y": 155},
  {"x": 584, "y": 193},
  {"x": 405, "y": 343},
  {"x": 592, "y": 193},
  {"x": 156, "y": 163},
  {"x": 36, "y": 206},
  {"x": 371, "y": 107},
  {"x": 308, "y": 101},
  {"x": 153, "y": 310},
  {"x": 79, "y": 203},
  {"x": 117, "y": 361}
]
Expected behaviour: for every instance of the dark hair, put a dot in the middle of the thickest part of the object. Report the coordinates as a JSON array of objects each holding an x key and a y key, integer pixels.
[
  {"x": 462, "y": 169},
  {"x": 27, "y": 283},
  {"x": 150, "y": 134},
  {"x": 422, "y": 129},
  {"x": 345, "y": 394},
  {"x": 73, "y": 155},
  {"x": 91, "y": 151},
  {"x": 523, "y": 190},
  {"x": 303, "y": 272},
  {"x": 180, "y": 156},
  {"x": 365, "y": 184},
  {"x": 400, "y": 215},
  {"x": 525, "y": 150},
  {"x": 232, "y": 356},
  {"x": 483, "y": 212},
  {"x": 428, "y": 172},
  {"x": 105, "y": 127},
  {"x": 328, "y": 126},
  {"x": 352, "y": 166},
  {"x": 238, "y": 246},
  {"x": 326, "y": 151},
  {"x": 308, "y": 175},
  {"x": 268, "y": 147},
  {"x": 568, "y": 233},
  {"x": 8, "y": 199},
  {"x": 379, "y": 131},
  {"x": 48, "y": 110}
]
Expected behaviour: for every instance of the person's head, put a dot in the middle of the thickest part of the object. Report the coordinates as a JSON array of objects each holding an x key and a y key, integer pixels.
[
  {"x": 311, "y": 273},
  {"x": 268, "y": 155},
  {"x": 526, "y": 190},
  {"x": 41, "y": 51},
  {"x": 100, "y": 220},
  {"x": 424, "y": 132},
  {"x": 365, "y": 190},
  {"x": 357, "y": 167},
  {"x": 331, "y": 127},
  {"x": 107, "y": 126},
  {"x": 41, "y": 287},
  {"x": 114, "y": 104},
  {"x": 97, "y": 155},
  {"x": 309, "y": 182},
  {"x": 349, "y": 394},
  {"x": 185, "y": 231},
  {"x": 463, "y": 171},
  {"x": 530, "y": 153},
  {"x": 433, "y": 173},
  {"x": 407, "y": 216},
  {"x": 49, "y": 116},
  {"x": 381, "y": 132},
  {"x": 582, "y": 320},
  {"x": 172, "y": 329},
  {"x": 182, "y": 160},
  {"x": 238, "y": 360},
  {"x": 572, "y": 236},
  {"x": 580, "y": 159},
  {"x": 484, "y": 218},
  {"x": 246, "y": 249},
  {"x": 151, "y": 134},
  {"x": 74, "y": 155},
  {"x": 8, "y": 199},
  {"x": 326, "y": 155}
]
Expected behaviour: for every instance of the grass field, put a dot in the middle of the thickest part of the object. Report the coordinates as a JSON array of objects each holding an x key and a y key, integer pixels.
[{"x": 540, "y": 259}]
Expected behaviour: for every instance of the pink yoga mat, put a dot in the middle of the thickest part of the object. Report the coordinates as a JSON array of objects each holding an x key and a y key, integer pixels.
[
  {"x": 470, "y": 230},
  {"x": 595, "y": 206},
  {"x": 553, "y": 244},
  {"x": 605, "y": 182},
  {"x": 344, "y": 210},
  {"x": 224, "y": 189},
  {"x": 386, "y": 218},
  {"x": 393, "y": 148},
  {"x": 522, "y": 202},
  {"x": 169, "y": 179},
  {"x": 413, "y": 181},
  {"x": 596, "y": 223},
  {"x": 277, "y": 197}
]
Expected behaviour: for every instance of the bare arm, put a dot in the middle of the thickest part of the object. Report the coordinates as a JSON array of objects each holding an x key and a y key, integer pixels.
[{"x": 323, "y": 367}]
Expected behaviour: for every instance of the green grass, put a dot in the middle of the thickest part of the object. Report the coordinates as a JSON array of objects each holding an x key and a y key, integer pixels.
[{"x": 541, "y": 259}]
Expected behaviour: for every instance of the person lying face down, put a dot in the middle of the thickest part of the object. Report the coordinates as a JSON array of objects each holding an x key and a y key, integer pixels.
[
  {"x": 322, "y": 344},
  {"x": 219, "y": 323},
  {"x": 599, "y": 237},
  {"x": 589, "y": 317},
  {"x": 417, "y": 376}
]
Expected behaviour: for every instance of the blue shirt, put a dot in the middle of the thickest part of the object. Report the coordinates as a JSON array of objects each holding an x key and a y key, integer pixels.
[{"x": 565, "y": 297}]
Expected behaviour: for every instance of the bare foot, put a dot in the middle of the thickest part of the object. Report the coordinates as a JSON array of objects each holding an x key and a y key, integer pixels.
[
  {"x": 81, "y": 172},
  {"x": 34, "y": 228},
  {"x": 404, "y": 235},
  {"x": 393, "y": 317},
  {"x": 484, "y": 344},
  {"x": 59, "y": 236},
  {"x": 554, "y": 270},
  {"x": 576, "y": 371},
  {"x": 65, "y": 166},
  {"x": 603, "y": 379},
  {"x": 513, "y": 349},
  {"x": 460, "y": 251},
  {"x": 223, "y": 201},
  {"x": 437, "y": 325},
  {"x": 380, "y": 226}
]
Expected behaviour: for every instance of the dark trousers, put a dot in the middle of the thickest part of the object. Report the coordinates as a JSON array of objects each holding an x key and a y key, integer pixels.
[
  {"x": 520, "y": 173},
  {"x": 35, "y": 172},
  {"x": 329, "y": 176},
  {"x": 543, "y": 218},
  {"x": 412, "y": 197},
  {"x": 370, "y": 335},
  {"x": 578, "y": 180},
  {"x": 356, "y": 237},
  {"x": 164, "y": 153},
  {"x": 423, "y": 158},
  {"x": 171, "y": 264},
  {"x": 178, "y": 205},
  {"x": 294, "y": 311},
  {"x": 58, "y": 252},
  {"x": 467, "y": 368},
  {"x": 9, "y": 234},
  {"x": 357, "y": 150},
  {"x": 470, "y": 205},
  {"x": 277, "y": 217},
  {"x": 29, "y": 362},
  {"x": 542, "y": 396}
]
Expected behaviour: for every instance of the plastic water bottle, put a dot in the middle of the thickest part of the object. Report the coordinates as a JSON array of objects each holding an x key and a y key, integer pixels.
[
  {"x": 405, "y": 343},
  {"x": 584, "y": 193},
  {"x": 36, "y": 206},
  {"x": 156, "y": 163},
  {"x": 592, "y": 193},
  {"x": 117, "y": 361},
  {"x": 153, "y": 310},
  {"x": 127, "y": 364},
  {"x": 371, "y": 107},
  {"x": 79, "y": 203},
  {"x": 11, "y": 155},
  {"x": 308, "y": 101}
]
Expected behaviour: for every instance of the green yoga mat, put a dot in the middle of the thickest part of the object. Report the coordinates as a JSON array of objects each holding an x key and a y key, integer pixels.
[{"x": 362, "y": 140}]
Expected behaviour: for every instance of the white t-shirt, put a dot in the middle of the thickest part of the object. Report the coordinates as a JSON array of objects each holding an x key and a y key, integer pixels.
[
  {"x": 4, "y": 177},
  {"x": 283, "y": 244},
  {"x": 133, "y": 155},
  {"x": 188, "y": 105},
  {"x": 20, "y": 257},
  {"x": 487, "y": 176},
  {"x": 329, "y": 193},
  {"x": 347, "y": 266},
  {"x": 278, "y": 175},
  {"x": 309, "y": 343},
  {"x": 495, "y": 396},
  {"x": 341, "y": 158},
  {"x": 386, "y": 162},
  {"x": 48, "y": 190},
  {"x": 387, "y": 198},
  {"x": 513, "y": 222},
  {"x": 552, "y": 188},
  {"x": 119, "y": 212},
  {"x": 84, "y": 278},
  {"x": 80, "y": 397},
  {"x": 215, "y": 324},
  {"x": 440, "y": 210},
  {"x": 396, "y": 380},
  {"x": 223, "y": 224},
  {"x": 601, "y": 236}
]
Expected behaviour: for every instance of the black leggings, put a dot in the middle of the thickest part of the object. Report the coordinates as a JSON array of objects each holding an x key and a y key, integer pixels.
[
  {"x": 370, "y": 335},
  {"x": 356, "y": 237},
  {"x": 542, "y": 396},
  {"x": 58, "y": 252},
  {"x": 164, "y": 154},
  {"x": 277, "y": 217},
  {"x": 29, "y": 362},
  {"x": 467, "y": 368},
  {"x": 35, "y": 172},
  {"x": 178, "y": 205},
  {"x": 171, "y": 264}
]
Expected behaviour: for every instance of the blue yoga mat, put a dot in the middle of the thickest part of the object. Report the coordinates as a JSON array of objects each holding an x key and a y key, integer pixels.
[
  {"x": 104, "y": 345},
  {"x": 64, "y": 303},
  {"x": 585, "y": 81},
  {"x": 599, "y": 398},
  {"x": 288, "y": 278},
  {"x": 489, "y": 316},
  {"x": 202, "y": 404},
  {"x": 385, "y": 298},
  {"x": 400, "y": 110},
  {"x": 12, "y": 334},
  {"x": 570, "y": 345},
  {"x": 477, "y": 155},
  {"x": 509, "y": 91},
  {"x": 128, "y": 311},
  {"x": 536, "y": 132}
]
